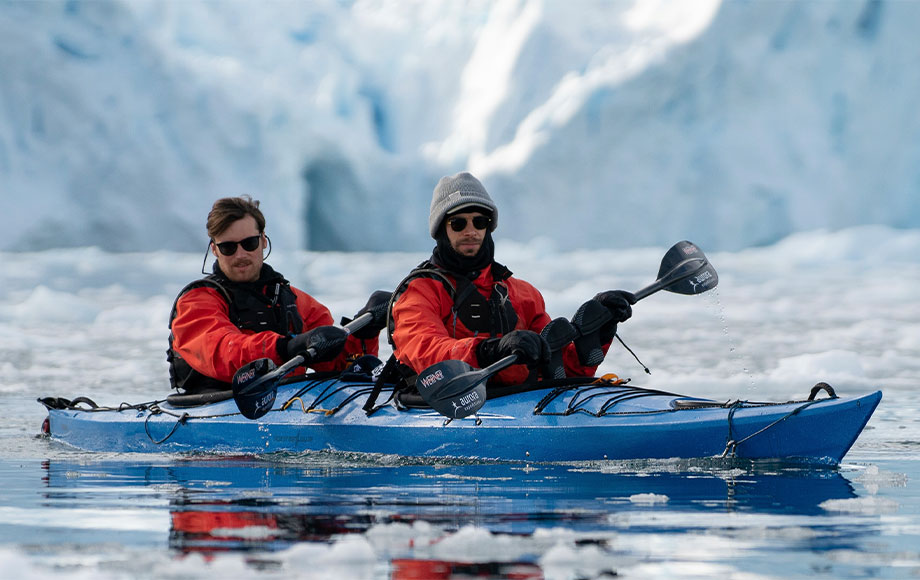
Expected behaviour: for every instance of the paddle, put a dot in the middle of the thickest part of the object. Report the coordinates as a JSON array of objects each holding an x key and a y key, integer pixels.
[
  {"x": 255, "y": 385},
  {"x": 684, "y": 270},
  {"x": 456, "y": 390}
]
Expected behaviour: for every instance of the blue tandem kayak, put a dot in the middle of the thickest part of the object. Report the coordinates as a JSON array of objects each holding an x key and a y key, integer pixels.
[{"x": 594, "y": 421}]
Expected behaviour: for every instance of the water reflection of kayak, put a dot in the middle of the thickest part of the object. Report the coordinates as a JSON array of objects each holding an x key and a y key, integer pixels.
[
  {"x": 575, "y": 422},
  {"x": 408, "y": 569},
  {"x": 234, "y": 504}
]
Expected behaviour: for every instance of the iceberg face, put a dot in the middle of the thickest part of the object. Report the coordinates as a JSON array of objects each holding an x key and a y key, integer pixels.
[{"x": 614, "y": 125}]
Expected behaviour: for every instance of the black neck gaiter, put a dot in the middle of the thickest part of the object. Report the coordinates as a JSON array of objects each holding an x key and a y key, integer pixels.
[{"x": 446, "y": 257}]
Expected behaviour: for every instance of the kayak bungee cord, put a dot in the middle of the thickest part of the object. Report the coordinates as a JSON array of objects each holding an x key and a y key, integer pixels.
[
  {"x": 155, "y": 410},
  {"x": 75, "y": 405},
  {"x": 731, "y": 446},
  {"x": 619, "y": 392},
  {"x": 365, "y": 390},
  {"x": 308, "y": 386},
  {"x": 368, "y": 388},
  {"x": 327, "y": 393},
  {"x": 152, "y": 408},
  {"x": 615, "y": 387}
]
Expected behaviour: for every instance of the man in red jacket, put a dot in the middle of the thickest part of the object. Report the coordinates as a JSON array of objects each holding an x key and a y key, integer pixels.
[
  {"x": 245, "y": 310},
  {"x": 462, "y": 304}
]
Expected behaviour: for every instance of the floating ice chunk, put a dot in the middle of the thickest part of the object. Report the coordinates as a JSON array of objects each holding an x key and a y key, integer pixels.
[
  {"x": 648, "y": 498},
  {"x": 861, "y": 505}
]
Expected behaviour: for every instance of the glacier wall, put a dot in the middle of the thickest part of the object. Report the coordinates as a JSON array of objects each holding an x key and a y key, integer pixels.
[{"x": 733, "y": 124}]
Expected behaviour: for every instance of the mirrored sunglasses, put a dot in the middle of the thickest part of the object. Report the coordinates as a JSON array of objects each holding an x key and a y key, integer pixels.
[
  {"x": 229, "y": 248},
  {"x": 458, "y": 224}
]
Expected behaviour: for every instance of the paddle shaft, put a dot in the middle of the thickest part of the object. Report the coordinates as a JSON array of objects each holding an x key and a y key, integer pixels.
[{"x": 498, "y": 366}]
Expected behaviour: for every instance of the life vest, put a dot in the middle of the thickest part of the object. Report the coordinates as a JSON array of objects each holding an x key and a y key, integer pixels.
[
  {"x": 493, "y": 316},
  {"x": 249, "y": 310}
]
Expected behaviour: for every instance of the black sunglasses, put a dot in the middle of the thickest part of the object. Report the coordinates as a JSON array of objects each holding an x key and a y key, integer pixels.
[
  {"x": 229, "y": 248},
  {"x": 458, "y": 224}
]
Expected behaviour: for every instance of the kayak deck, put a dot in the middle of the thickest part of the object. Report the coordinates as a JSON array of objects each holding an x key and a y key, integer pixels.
[{"x": 585, "y": 422}]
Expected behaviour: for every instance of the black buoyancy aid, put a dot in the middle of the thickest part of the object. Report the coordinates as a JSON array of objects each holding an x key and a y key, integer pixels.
[
  {"x": 267, "y": 304},
  {"x": 494, "y": 315}
]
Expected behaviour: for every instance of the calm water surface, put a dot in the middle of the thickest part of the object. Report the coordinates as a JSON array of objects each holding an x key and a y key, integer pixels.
[{"x": 65, "y": 513}]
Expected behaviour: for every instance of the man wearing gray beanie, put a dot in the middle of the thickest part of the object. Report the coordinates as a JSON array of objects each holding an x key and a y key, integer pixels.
[{"x": 462, "y": 304}]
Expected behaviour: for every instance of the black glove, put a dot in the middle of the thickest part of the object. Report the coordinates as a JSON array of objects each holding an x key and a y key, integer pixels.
[
  {"x": 531, "y": 348},
  {"x": 377, "y": 306},
  {"x": 326, "y": 341},
  {"x": 596, "y": 327},
  {"x": 619, "y": 303},
  {"x": 558, "y": 333}
]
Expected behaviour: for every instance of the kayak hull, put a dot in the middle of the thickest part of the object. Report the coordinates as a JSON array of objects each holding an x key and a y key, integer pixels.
[{"x": 573, "y": 426}]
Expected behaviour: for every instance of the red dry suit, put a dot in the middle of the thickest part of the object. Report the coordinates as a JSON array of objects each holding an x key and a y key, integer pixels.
[{"x": 427, "y": 328}]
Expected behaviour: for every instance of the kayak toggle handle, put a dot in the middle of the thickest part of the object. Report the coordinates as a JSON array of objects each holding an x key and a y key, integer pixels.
[{"x": 821, "y": 387}]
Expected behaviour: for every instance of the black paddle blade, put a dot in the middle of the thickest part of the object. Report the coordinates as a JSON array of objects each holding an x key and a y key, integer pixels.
[
  {"x": 686, "y": 270},
  {"x": 452, "y": 388},
  {"x": 253, "y": 392}
]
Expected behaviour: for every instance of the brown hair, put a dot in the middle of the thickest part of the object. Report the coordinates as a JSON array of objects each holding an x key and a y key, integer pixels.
[{"x": 227, "y": 210}]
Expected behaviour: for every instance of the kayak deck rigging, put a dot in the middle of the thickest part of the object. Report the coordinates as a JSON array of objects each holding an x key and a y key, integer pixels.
[{"x": 579, "y": 396}]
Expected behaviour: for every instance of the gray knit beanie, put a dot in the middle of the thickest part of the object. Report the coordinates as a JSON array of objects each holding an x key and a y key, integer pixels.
[{"x": 455, "y": 192}]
